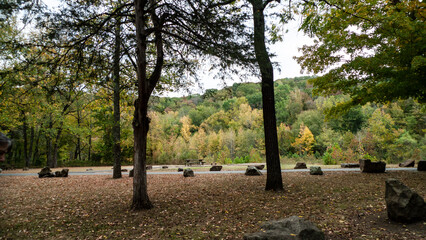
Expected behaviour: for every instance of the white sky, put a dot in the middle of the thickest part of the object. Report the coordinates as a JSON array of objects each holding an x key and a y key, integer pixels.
[{"x": 284, "y": 51}]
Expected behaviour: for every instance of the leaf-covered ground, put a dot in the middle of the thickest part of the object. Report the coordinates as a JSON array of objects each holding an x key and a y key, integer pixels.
[{"x": 219, "y": 206}]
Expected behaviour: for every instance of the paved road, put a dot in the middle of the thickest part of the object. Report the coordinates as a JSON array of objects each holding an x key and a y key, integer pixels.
[{"x": 109, "y": 172}]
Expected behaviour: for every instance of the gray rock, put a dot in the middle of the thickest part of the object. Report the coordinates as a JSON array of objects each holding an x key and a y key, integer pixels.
[
  {"x": 216, "y": 168},
  {"x": 63, "y": 173},
  {"x": 349, "y": 165},
  {"x": 403, "y": 204},
  {"x": 408, "y": 163},
  {"x": 45, "y": 173},
  {"x": 252, "y": 171},
  {"x": 289, "y": 228},
  {"x": 300, "y": 165},
  {"x": 367, "y": 166},
  {"x": 315, "y": 170},
  {"x": 188, "y": 172},
  {"x": 421, "y": 166}
]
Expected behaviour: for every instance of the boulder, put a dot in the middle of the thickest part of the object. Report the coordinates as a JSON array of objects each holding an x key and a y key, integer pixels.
[
  {"x": 408, "y": 163},
  {"x": 300, "y": 165},
  {"x": 260, "y": 167},
  {"x": 180, "y": 169},
  {"x": 216, "y": 168},
  {"x": 349, "y": 165},
  {"x": 63, "y": 173},
  {"x": 421, "y": 166},
  {"x": 367, "y": 166},
  {"x": 289, "y": 228},
  {"x": 252, "y": 171},
  {"x": 403, "y": 204},
  {"x": 188, "y": 172},
  {"x": 45, "y": 172},
  {"x": 315, "y": 170},
  {"x": 132, "y": 173}
]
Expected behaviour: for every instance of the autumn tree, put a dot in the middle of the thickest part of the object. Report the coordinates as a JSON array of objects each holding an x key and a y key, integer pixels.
[
  {"x": 177, "y": 27},
  {"x": 274, "y": 178},
  {"x": 372, "y": 50}
]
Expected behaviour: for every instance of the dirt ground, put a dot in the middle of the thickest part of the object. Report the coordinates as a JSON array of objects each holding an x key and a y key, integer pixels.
[{"x": 345, "y": 205}]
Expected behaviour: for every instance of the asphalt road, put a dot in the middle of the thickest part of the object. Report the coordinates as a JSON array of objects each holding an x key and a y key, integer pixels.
[{"x": 109, "y": 172}]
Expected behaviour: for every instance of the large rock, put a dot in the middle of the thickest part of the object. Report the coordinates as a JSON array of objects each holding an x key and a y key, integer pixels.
[
  {"x": 216, "y": 168},
  {"x": 289, "y": 228},
  {"x": 45, "y": 172},
  {"x": 372, "y": 167},
  {"x": 421, "y": 166},
  {"x": 252, "y": 171},
  {"x": 403, "y": 204},
  {"x": 260, "y": 167},
  {"x": 63, "y": 173},
  {"x": 188, "y": 172},
  {"x": 315, "y": 170},
  {"x": 300, "y": 165},
  {"x": 408, "y": 163}
]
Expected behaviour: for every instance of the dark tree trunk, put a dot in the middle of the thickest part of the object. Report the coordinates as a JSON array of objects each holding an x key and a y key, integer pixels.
[
  {"x": 141, "y": 121},
  {"x": 25, "y": 126},
  {"x": 49, "y": 151},
  {"x": 116, "y": 127},
  {"x": 274, "y": 178},
  {"x": 36, "y": 150},
  {"x": 89, "y": 157},
  {"x": 31, "y": 147},
  {"x": 77, "y": 152},
  {"x": 56, "y": 149}
]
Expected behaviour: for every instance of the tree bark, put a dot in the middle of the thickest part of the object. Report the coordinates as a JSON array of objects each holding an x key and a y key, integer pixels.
[
  {"x": 274, "y": 178},
  {"x": 116, "y": 127},
  {"x": 141, "y": 121}
]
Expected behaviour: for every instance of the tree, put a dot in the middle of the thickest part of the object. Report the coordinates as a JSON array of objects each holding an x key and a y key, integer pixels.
[
  {"x": 169, "y": 26},
  {"x": 274, "y": 178},
  {"x": 305, "y": 141},
  {"x": 377, "y": 45}
]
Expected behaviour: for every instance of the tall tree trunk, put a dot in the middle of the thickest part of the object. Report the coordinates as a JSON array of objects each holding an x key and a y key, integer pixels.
[
  {"x": 274, "y": 178},
  {"x": 116, "y": 127},
  {"x": 56, "y": 148},
  {"x": 89, "y": 154},
  {"x": 25, "y": 126},
  {"x": 35, "y": 157},
  {"x": 49, "y": 151},
  {"x": 31, "y": 147},
  {"x": 141, "y": 121}
]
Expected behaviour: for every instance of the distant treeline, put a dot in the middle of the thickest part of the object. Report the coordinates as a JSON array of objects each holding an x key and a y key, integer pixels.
[{"x": 226, "y": 126}]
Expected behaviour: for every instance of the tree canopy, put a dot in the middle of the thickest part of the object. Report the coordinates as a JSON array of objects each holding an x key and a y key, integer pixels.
[{"x": 373, "y": 50}]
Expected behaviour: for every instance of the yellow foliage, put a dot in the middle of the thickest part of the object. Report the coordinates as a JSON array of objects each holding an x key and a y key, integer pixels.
[{"x": 305, "y": 141}]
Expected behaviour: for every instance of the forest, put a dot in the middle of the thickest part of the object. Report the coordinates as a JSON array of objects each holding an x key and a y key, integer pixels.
[
  {"x": 220, "y": 126},
  {"x": 88, "y": 79}
]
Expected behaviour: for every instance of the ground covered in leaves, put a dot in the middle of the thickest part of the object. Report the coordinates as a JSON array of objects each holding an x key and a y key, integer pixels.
[{"x": 346, "y": 205}]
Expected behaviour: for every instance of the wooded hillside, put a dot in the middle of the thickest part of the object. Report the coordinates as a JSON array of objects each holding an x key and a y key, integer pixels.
[{"x": 222, "y": 126}]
